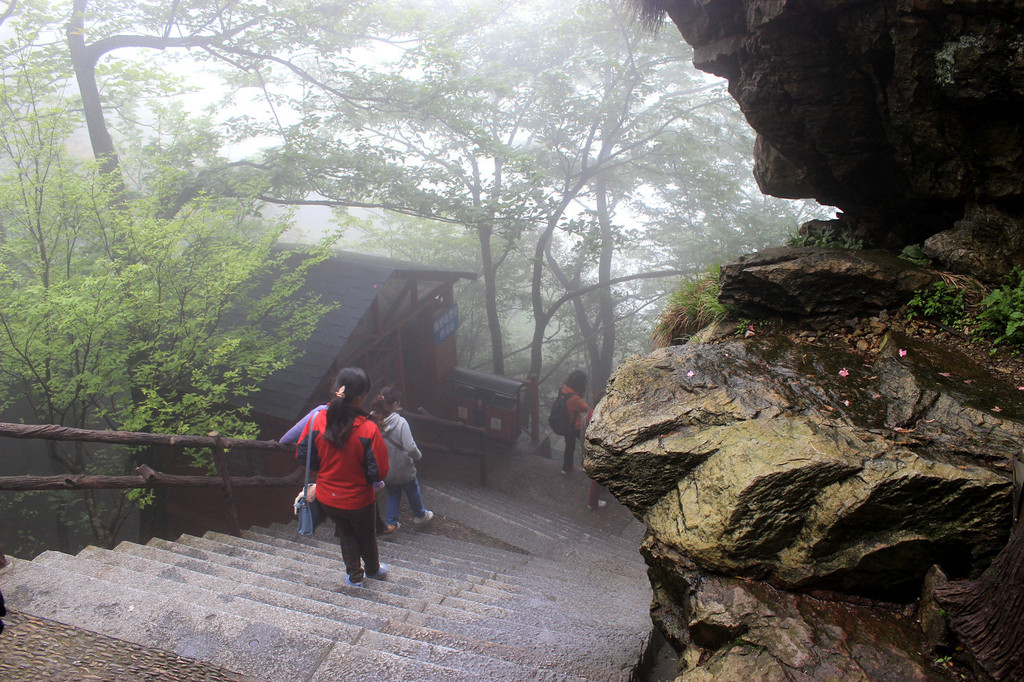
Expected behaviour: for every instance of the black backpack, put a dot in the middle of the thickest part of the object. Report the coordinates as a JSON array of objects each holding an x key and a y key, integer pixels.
[{"x": 558, "y": 420}]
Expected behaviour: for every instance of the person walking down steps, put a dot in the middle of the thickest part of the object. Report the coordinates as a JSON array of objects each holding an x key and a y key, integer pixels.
[
  {"x": 402, "y": 457},
  {"x": 571, "y": 392},
  {"x": 349, "y": 456},
  {"x": 292, "y": 436}
]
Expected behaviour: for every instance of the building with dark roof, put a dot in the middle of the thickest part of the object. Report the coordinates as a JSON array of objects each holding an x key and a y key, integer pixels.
[{"x": 397, "y": 320}]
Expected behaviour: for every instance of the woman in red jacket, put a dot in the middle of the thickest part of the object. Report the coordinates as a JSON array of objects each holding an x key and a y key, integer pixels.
[
  {"x": 349, "y": 456},
  {"x": 572, "y": 392}
]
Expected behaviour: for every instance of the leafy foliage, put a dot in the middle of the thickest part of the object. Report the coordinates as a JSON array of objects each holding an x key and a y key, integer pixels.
[
  {"x": 691, "y": 307},
  {"x": 1002, "y": 312},
  {"x": 915, "y": 254},
  {"x": 941, "y": 301},
  {"x": 827, "y": 238},
  {"x": 136, "y": 310}
]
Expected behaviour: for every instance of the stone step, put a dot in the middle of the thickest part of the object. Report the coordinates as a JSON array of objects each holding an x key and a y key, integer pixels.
[
  {"x": 244, "y": 600},
  {"x": 534, "y": 538},
  {"x": 464, "y": 578},
  {"x": 414, "y": 584},
  {"x": 329, "y": 574},
  {"x": 264, "y": 650},
  {"x": 528, "y": 569},
  {"x": 570, "y": 587},
  {"x": 506, "y": 519},
  {"x": 522, "y": 610},
  {"x": 546, "y": 645},
  {"x": 455, "y": 564},
  {"x": 366, "y": 613},
  {"x": 516, "y": 511}
]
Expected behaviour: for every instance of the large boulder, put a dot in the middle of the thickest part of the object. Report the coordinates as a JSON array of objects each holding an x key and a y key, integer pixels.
[
  {"x": 900, "y": 112},
  {"x": 788, "y": 486},
  {"x": 801, "y": 466}
]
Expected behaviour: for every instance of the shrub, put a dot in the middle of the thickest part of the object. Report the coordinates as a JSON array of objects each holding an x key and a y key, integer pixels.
[{"x": 941, "y": 301}]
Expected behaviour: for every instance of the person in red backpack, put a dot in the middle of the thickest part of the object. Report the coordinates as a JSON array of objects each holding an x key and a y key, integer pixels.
[
  {"x": 572, "y": 392},
  {"x": 349, "y": 456}
]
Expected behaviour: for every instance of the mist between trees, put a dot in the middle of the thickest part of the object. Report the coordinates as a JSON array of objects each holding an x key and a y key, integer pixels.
[{"x": 575, "y": 160}]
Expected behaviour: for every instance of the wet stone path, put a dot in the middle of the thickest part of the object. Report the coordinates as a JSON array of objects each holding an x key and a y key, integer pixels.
[
  {"x": 34, "y": 648},
  {"x": 38, "y": 649}
]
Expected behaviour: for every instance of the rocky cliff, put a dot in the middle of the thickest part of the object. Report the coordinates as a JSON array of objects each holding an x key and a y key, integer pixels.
[
  {"x": 904, "y": 114},
  {"x": 798, "y": 486},
  {"x": 805, "y": 482}
]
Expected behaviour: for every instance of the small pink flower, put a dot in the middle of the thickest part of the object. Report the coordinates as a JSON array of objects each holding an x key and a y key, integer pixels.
[
  {"x": 903, "y": 353},
  {"x": 1020, "y": 388},
  {"x": 846, "y": 402},
  {"x": 844, "y": 372},
  {"x": 690, "y": 373}
]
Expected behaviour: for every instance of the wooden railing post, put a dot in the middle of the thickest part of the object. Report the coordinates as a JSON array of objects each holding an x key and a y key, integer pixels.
[
  {"x": 483, "y": 460},
  {"x": 220, "y": 459}
]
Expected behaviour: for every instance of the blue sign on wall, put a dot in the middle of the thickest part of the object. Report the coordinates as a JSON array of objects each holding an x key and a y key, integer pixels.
[{"x": 446, "y": 324}]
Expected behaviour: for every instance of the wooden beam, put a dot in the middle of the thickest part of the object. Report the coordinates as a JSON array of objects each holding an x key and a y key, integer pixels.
[
  {"x": 54, "y": 432},
  {"x": 144, "y": 478}
]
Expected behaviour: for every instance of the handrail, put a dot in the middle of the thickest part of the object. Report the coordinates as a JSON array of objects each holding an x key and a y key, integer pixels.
[
  {"x": 423, "y": 417},
  {"x": 55, "y": 432},
  {"x": 145, "y": 477}
]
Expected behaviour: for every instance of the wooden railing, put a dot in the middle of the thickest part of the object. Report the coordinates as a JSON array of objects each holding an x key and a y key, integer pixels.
[
  {"x": 434, "y": 433},
  {"x": 145, "y": 477}
]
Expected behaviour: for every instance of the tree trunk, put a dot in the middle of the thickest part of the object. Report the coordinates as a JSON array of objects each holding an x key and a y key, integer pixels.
[
  {"x": 605, "y": 359},
  {"x": 491, "y": 299},
  {"x": 83, "y": 60},
  {"x": 987, "y": 614}
]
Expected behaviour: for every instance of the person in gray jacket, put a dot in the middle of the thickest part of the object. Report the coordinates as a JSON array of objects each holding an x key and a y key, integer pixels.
[{"x": 402, "y": 457}]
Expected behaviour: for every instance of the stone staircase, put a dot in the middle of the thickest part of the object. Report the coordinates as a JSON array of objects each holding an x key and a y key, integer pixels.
[{"x": 560, "y": 600}]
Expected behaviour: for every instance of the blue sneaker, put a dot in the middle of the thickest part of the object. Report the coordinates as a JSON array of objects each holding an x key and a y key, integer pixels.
[
  {"x": 381, "y": 573},
  {"x": 353, "y": 583}
]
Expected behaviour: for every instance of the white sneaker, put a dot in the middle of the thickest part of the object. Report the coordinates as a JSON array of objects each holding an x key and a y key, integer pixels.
[{"x": 420, "y": 520}]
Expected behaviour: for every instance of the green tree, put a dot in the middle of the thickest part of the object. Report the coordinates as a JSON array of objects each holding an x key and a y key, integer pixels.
[
  {"x": 113, "y": 313},
  {"x": 548, "y": 135}
]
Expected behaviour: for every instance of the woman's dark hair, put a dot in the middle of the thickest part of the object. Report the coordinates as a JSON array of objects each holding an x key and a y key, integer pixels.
[
  {"x": 384, "y": 403},
  {"x": 343, "y": 410},
  {"x": 577, "y": 381}
]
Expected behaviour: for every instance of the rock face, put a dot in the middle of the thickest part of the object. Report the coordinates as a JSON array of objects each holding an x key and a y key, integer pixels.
[
  {"x": 769, "y": 463},
  {"x": 797, "y": 282},
  {"x": 786, "y": 485},
  {"x": 905, "y": 114}
]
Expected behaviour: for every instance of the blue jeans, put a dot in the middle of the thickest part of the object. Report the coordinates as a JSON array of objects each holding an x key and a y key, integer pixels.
[{"x": 412, "y": 493}]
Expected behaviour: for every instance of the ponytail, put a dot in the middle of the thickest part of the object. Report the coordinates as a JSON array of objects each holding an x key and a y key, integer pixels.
[
  {"x": 351, "y": 384},
  {"x": 385, "y": 402}
]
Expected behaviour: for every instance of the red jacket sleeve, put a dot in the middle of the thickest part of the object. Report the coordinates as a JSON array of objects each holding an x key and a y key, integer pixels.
[{"x": 577, "y": 408}]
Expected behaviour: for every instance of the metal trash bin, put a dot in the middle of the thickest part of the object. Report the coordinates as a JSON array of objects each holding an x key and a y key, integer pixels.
[{"x": 495, "y": 403}]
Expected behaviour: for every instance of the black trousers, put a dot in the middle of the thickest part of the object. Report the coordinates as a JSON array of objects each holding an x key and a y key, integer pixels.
[
  {"x": 569, "y": 452},
  {"x": 358, "y": 539}
]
